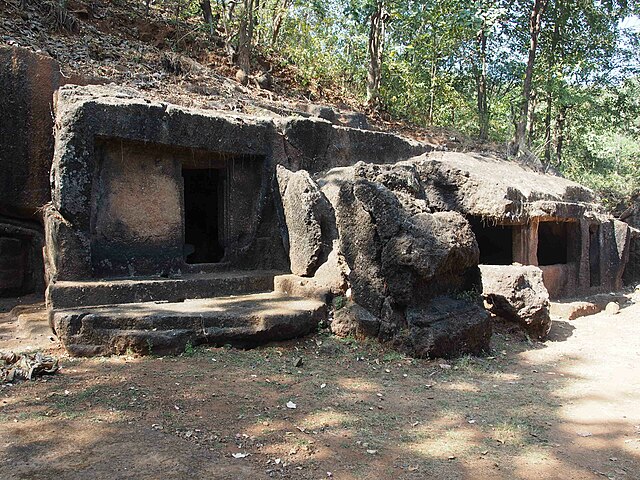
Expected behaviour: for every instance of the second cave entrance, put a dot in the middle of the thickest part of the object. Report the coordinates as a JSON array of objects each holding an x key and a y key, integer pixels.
[{"x": 203, "y": 214}]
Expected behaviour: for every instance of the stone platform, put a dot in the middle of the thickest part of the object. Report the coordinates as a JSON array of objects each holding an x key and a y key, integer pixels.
[
  {"x": 71, "y": 294},
  {"x": 159, "y": 328}
]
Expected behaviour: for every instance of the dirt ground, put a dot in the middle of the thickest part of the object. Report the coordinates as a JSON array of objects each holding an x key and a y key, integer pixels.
[{"x": 568, "y": 408}]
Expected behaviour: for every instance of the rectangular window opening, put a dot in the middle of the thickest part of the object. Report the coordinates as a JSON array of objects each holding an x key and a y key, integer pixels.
[
  {"x": 495, "y": 242},
  {"x": 203, "y": 214}
]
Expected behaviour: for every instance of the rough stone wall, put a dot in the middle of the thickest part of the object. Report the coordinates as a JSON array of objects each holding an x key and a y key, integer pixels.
[
  {"x": 87, "y": 115},
  {"x": 632, "y": 217},
  {"x": 136, "y": 210},
  {"x": 27, "y": 83}
]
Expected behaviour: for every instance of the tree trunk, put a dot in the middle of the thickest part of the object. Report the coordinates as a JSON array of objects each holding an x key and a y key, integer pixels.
[
  {"x": 228, "y": 9},
  {"x": 547, "y": 130},
  {"x": 481, "y": 87},
  {"x": 178, "y": 9},
  {"x": 432, "y": 92},
  {"x": 205, "y": 6},
  {"x": 548, "y": 140},
  {"x": 245, "y": 37},
  {"x": 561, "y": 119},
  {"x": 277, "y": 21},
  {"x": 375, "y": 49},
  {"x": 519, "y": 144},
  {"x": 533, "y": 103}
]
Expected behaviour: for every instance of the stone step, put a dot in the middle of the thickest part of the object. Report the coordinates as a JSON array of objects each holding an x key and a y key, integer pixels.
[
  {"x": 174, "y": 289},
  {"x": 571, "y": 309},
  {"x": 160, "y": 328}
]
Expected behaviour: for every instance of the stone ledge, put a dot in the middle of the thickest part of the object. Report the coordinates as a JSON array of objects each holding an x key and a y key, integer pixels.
[
  {"x": 243, "y": 321},
  {"x": 135, "y": 290}
]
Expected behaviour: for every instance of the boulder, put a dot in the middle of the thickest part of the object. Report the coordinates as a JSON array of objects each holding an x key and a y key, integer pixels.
[
  {"x": 401, "y": 260},
  {"x": 612, "y": 308},
  {"x": 297, "y": 286},
  {"x": 394, "y": 247},
  {"x": 309, "y": 221},
  {"x": 447, "y": 327},
  {"x": 354, "y": 321},
  {"x": 517, "y": 293},
  {"x": 574, "y": 309}
]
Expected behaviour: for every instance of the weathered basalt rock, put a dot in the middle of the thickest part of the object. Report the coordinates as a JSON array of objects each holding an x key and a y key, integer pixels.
[
  {"x": 310, "y": 222},
  {"x": 316, "y": 145},
  {"x": 632, "y": 216},
  {"x": 352, "y": 320},
  {"x": 394, "y": 247},
  {"x": 400, "y": 256},
  {"x": 517, "y": 293},
  {"x": 447, "y": 327},
  {"x": 243, "y": 321},
  {"x": 27, "y": 83}
]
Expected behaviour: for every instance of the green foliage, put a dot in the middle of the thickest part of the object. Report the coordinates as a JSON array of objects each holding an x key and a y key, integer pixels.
[
  {"x": 439, "y": 53},
  {"x": 189, "y": 349}
]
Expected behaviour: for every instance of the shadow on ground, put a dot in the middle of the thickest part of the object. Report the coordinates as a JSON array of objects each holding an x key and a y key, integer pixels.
[{"x": 567, "y": 408}]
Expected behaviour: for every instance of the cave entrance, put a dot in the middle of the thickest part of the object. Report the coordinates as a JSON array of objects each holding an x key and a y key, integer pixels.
[
  {"x": 495, "y": 242},
  {"x": 553, "y": 243},
  {"x": 203, "y": 214},
  {"x": 594, "y": 255}
]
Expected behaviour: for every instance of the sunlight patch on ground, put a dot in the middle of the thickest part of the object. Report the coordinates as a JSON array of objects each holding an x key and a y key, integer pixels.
[
  {"x": 632, "y": 446},
  {"x": 358, "y": 385},
  {"x": 538, "y": 462},
  {"x": 461, "y": 387},
  {"x": 549, "y": 354},
  {"x": 326, "y": 418},
  {"x": 264, "y": 427},
  {"x": 505, "y": 377},
  {"x": 447, "y": 443}
]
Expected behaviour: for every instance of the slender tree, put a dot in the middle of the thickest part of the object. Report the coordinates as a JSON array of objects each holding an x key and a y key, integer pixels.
[
  {"x": 375, "y": 48},
  {"x": 519, "y": 144}
]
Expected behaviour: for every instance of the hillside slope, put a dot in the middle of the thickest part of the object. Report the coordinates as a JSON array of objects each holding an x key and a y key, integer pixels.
[{"x": 176, "y": 62}]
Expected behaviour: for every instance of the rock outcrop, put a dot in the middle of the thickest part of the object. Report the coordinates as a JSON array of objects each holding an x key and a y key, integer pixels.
[
  {"x": 517, "y": 293},
  {"x": 310, "y": 222},
  {"x": 352, "y": 320},
  {"x": 400, "y": 257},
  {"x": 447, "y": 327},
  {"x": 632, "y": 216},
  {"x": 27, "y": 83}
]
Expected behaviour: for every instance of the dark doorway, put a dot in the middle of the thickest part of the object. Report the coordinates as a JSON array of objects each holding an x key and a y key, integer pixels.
[
  {"x": 495, "y": 242},
  {"x": 203, "y": 215},
  {"x": 552, "y": 243},
  {"x": 594, "y": 255}
]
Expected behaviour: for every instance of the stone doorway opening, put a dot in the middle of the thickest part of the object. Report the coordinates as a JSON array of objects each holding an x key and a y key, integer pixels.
[
  {"x": 553, "y": 243},
  {"x": 594, "y": 256},
  {"x": 203, "y": 214},
  {"x": 495, "y": 242}
]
